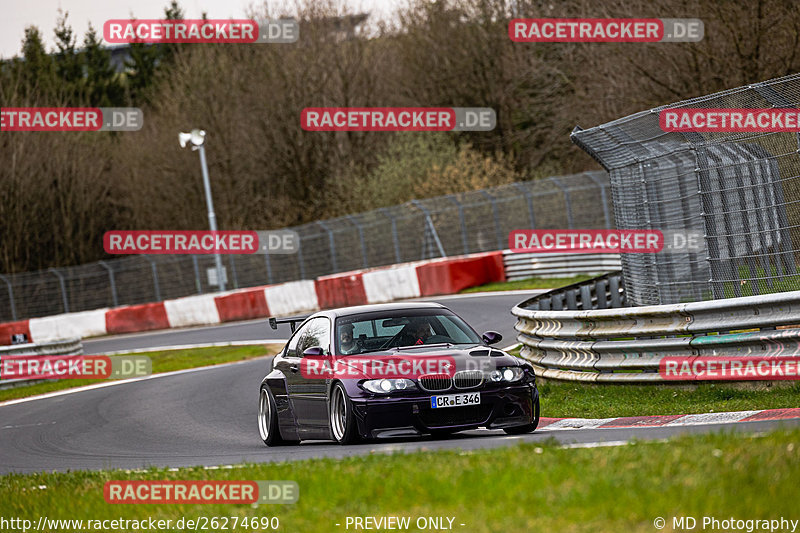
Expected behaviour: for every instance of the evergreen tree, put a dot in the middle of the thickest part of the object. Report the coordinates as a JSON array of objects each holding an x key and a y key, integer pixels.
[
  {"x": 68, "y": 68},
  {"x": 103, "y": 87}
]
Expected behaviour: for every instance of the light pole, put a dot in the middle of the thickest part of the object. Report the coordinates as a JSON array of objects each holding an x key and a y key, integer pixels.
[{"x": 197, "y": 137}]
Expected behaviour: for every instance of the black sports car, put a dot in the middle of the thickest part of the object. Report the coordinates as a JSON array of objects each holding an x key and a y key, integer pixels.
[{"x": 390, "y": 370}]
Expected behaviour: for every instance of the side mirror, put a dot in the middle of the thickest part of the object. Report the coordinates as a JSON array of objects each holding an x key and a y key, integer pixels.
[
  {"x": 313, "y": 351},
  {"x": 491, "y": 337}
]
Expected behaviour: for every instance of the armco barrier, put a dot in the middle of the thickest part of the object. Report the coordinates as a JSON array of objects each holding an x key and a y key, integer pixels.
[
  {"x": 580, "y": 332},
  {"x": 546, "y": 265},
  {"x": 63, "y": 347},
  {"x": 410, "y": 280}
]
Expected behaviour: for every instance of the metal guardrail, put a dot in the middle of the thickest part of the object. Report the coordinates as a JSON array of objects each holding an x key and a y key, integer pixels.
[
  {"x": 549, "y": 265},
  {"x": 68, "y": 347},
  {"x": 582, "y": 332}
]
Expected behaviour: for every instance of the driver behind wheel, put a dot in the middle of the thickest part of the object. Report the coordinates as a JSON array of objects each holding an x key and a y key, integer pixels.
[
  {"x": 417, "y": 332},
  {"x": 347, "y": 345}
]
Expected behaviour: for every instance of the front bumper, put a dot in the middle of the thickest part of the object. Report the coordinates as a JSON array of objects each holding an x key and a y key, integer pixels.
[{"x": 500, "y": 407}]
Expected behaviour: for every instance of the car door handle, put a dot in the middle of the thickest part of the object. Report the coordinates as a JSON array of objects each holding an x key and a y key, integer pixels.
[{"x": 293, "y": 367}]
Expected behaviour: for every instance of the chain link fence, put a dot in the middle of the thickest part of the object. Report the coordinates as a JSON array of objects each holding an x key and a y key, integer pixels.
[
  {"x": 741, "y": 191},
  {"x": 456, "y": 224}
]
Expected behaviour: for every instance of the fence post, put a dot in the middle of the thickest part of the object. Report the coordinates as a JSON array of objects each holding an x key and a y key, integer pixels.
[
  {"x": 268, "y": 264},
  {"x": 529, "y": 200},
  {"x": 464, "y": 240},
  {"x": 391, "y": 218},
  {"x": 501, "y": 242},
  {"x": 603, "y": 198},
  {"x": 301, "y": 262},
  {"x": 233, "y": 271},
  {"x": 332, "y": 245},
  {"x": 355, "y": 222},
  {"x": 153, "y": 268},
  {"x": 113, "y": 283},
  {"x": 63, "y": 288},
  {"x": 567, "y": 201},
  {"x": 429, "y": 227},
  {"x": 197, "y": 280},
  {"x": 10, "y": 297}
]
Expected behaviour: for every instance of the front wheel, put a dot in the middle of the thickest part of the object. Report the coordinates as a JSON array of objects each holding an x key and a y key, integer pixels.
[
  {"x": 268, "y": 419},
  {"x": 527, "y": 428},
  {"x": 342, "y": 419}
]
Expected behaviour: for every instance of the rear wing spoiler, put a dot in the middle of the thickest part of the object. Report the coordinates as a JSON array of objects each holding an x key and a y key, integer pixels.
[{"x": 292, "y": 321}]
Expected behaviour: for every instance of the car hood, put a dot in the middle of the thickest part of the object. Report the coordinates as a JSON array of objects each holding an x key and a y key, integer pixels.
[{"x": 410, "y": 362}]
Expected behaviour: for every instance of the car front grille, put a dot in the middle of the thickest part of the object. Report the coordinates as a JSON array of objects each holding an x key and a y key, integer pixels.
[
  {"x": 468, "y": 379},
  {"x": 455, "y": 416},
  {"x": 435, "y": 382}
]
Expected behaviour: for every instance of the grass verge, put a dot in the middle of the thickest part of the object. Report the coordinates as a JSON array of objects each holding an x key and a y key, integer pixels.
[
  {"x": 525, "y": 284},
  {"x": 567, "y": 400},
  {"x": 589, "y": 400},
  {"x": 163, "y": 361},
  {"x": 531, "y": 487}
]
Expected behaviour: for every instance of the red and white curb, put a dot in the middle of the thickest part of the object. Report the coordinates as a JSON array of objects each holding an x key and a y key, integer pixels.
[{"x": 559, "y": 424}]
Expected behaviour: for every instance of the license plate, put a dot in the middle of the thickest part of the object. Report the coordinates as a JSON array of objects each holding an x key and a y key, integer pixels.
[{"x": 455, "y": 400}]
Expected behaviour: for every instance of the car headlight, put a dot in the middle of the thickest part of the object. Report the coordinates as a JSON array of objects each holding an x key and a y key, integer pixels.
[
  {"x": 508, "y": 374},
  {"x": 386, "y": 386}
]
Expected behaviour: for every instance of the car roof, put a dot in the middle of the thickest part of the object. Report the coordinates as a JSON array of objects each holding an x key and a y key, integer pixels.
[{"x": 358, "y": 309}]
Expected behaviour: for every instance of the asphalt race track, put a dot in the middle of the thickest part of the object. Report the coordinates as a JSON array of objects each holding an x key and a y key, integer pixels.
[{"x": 208, "y": 417}]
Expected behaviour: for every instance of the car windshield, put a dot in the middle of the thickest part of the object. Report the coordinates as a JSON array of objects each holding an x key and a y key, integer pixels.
[{"x": 372, "y": 332}]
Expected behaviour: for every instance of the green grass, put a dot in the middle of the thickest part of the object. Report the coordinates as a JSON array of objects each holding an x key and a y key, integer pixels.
[
  {"x": 525, "y": 284},
  {"x": 591, "y": 400},
  {"x": 163, "y": 361},
  {"x": 531, "y": 487},
  {"x": 567, "y": 400}
]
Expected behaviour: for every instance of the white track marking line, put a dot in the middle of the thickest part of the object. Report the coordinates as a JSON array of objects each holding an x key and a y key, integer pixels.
[
  {"x": 256, "y": 342},
  {"x": 123, "y": 381}
]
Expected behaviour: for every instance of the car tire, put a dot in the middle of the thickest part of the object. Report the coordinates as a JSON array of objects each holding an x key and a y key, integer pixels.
[
  {"x": 268, "y": 419},
  {"x": 527, "y": 428},
  {"x": 341, "y": 417}
]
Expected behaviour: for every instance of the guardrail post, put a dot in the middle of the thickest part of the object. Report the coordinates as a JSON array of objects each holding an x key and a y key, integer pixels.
[
  {"x": 156, "y": 288},
  {"x": 198, "y": 283},
  {"x": 529, "y": 200},
  {"x": 385, "y": 212},
  {"x": 113, "y": 283},
  {"x": 63, "y": 288},
  {"x": 10, "y": 297},
  {"x": 360, "y": 230},
  {"x": 501, "y": 242},
  {"x": 567, "y": 201},
  {"x": 332, "y": 244}
]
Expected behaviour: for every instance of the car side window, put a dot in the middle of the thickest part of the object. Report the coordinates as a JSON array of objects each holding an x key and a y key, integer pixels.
[
  {"x": 291, "y": 349},
  {"x": 316, "y": 333}
]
